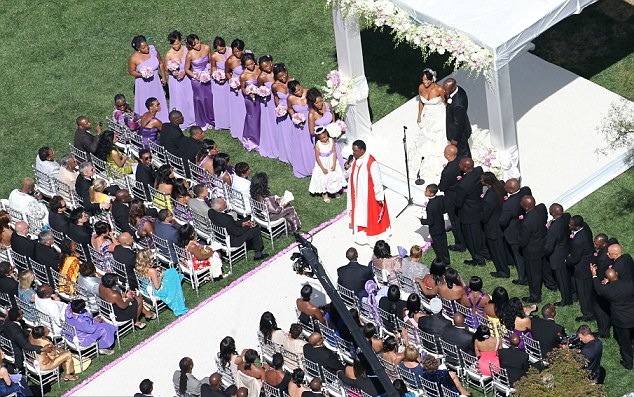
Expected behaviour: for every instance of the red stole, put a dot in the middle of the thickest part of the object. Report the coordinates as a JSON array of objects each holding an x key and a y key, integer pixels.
[{"x": 378, "y": 216}]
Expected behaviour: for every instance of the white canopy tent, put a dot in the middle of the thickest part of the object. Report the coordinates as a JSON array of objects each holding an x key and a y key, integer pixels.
[{"x": 506, "y": 28}]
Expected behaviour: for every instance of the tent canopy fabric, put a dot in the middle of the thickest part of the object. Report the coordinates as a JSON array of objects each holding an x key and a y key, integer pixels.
[{"x": 503, "y": 26}]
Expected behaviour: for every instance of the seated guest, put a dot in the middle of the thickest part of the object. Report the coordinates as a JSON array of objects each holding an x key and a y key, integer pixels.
[
  {"x": 124, "y": 253},
  {"x": 430, "y": 284},
  {"x": 184, "y": 382},
  {"x": 458, "y": 335},
  {"x": 241, "y": 180},
  {"x": 26, "y": 278},
  {"x": 143, "y": 223},
  {"x": 126, "y": 305},
  {"x": 514, "y": 360},
  {"x": 171, "y": 133},
  {"x": 295, "y": 344},
  {"x": 228, "y": 356},
  {"x": 164, "y": 183},
  {"x": 165, "y": 284},
  {"x": 79, "y": 229},
  {"x": 443, "y": 377},
  {"x": 222, "y": 168},
  {"x": 199, "y": 203},
  {"x": 57, "y": 358},
  {"x": 48, "y": 303},
  {"x": 190, "y": 146},
  {"x": 515, "y": 319},
  {"x": 370, "y": 333},
  {"x": 45, "y": 162},
  {"x": 486, "y": 349},
  {"x": 56, "y": 217},
  {"x": 21, "y": 242},
  {"x": 275, "y": 375},
  {"x": 401, "y": 388},
  {"x": 104, "y": 242},
  {"x": 393, "y": 304},
  {"x": 315, "y": 386},
  {"x": 240, "y": 231},
  {"x": 88, "y": 279},
  {"x": 12, "y": 330},
  {"x": 307, "y": 309},
  {"x": 45, "y": 254},
  {"x": 68, "y": 267},
  {"x": 26, "y": 201},
  {"x": 145, "y": 171},
  {"x": 12, "y": 387},
  {"x": 355, "y": 375},
  {"x": 145, "y": 388},
  {"x": 121, "y": 210},
  {"x": 353, "y": 276},
  {"x": 592, "y": 351},
  {"x": 316, "y": 352},
  {"x": 180, "y": 193},
  {"x": 296, "y": 387},
  {"x": 108, "y": 152},
  {"x": 435, "y": 323},
  {"x": 8, "y": 283},
  {"x": 475, "y": 298},
  {"x": 411, "y": 266},
  {"x": 90, "y": 329},
  {"x": 84, "y": 140},
  {"x": 390, "y": 351},
  {"x": 205, "y": 157},
  {"x": 214, "y": 387},
  {"x": 249, "y": 374},
  {"x": 383, "y": 260},
  {"x": 5, "y": 236},
  {"x": 167, "y": 229},
  {"x": 124, "y": 115},
  {"x": 453, "y": 288},
  {"x": 202, "y": 256},
  {"x": 270, "y": 331},
  {"x": 276, "y": 207},
  {"x": 82, "y": 186},
  {"x": 413, "y": 310},
  {"x": 546, "y": 331},
  {"x": 68, "y": 172},
  {"x": 97, "y": 192}
]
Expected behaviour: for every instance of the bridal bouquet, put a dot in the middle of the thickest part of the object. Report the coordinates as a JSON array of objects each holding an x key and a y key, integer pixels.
[
  {"x": 234, "y": 83},
  {"x": 204, "y": 77},
  {"x": 147, "y": 72},
  {"x": 338, "y": 91},
  {"x": 299, "y": 119},
  {"x": 218, "y": 76},
  {"x": 251, "y": 91},
  {"x": 264, "y": 92},
  {"x": 334, "y": 130},
  {"x": 281, "y": 110},
  {"x": 173, "y": 65}
]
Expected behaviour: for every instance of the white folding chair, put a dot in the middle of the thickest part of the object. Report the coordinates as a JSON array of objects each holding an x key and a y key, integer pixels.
[
  {"x": 240, "y": 203},
  {"x": 71, "y": 341},
  {"x": 16, "y": 216},
  {"x": 164, "y": 252},
  {"x": 7, "y": 349},
  {"x": 430, "y": 389},
  {"x": 406, "y": 285},
  {"x": 64, "y": 287},
  {"x": 202, "y": 225},
  {"x": 410, "y": 381},
  {"x": 138, "y": 190},
  {"x": 194, "y": 277},
  {"x": 45, "y": 184},
  {"x": 473, "y": 375},
  {"x": 270, "y": 391},
  {"x": 107, "y": 312},
  {"x": 446, "y": 392},
  {"x": 225, "y": 372},
  {"x": 136, "y": 144},
  {"x": 452, "y": 357},
  {"x": 469, "y": 316},
  {"x": 329, "y": 335},
  {"x": 348, "y": 296},
  {"x": 381, "y": 275},
  {"x": 533, "y": 349},
  {"x": 20, "y": 262},
  {"x": 159, "y": 200},
  {"x": 232, "y": 254},
  {"x": 79, "y": 155},
  {"x": 431, "y": 344},
  {"x": 159, "y": 154},
  {"x": 101, "y": 168},
  {"x": 177, "y": 164},
  {"x": 501, "y": 383},
  {"x": 29, "y": 312},
  {"x": 198, "y": 173},
  {"x": 217, "y": 188},
  {"x": 391, "y": 369},
  {"x": 41, "y": 274},
  {"x": 69, "y": 194},
  {"x": 146, "y": 289},
  {"x": 38, "y": 375},
  {"x": 313, "y": 370},
  {"x": 448, "y": 308},
  {"x": 182, "y": 213},
  {"x": 98, "y": 259},
  {"x": 292, "y": 360},
  {"x": 260, "y": 214},
  {"x": 332, "y": 384}
]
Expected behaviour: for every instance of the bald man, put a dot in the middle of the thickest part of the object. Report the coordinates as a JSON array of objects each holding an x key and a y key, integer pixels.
[
  {"x": 532, "y": 238},
  {"x": 316, "y": 352},
  {"x": 315, "y": 388},
  {"x": 469, "y": 205},
  {"x": 509, "y": 222},
  {"x": 21, "y": 242},
  {"x": 458, "y": 124},
  {"x": 556, "y": 251},
  {"x": 121, "y": 210},
  {"x": 620, "y": 294},
  {"x": 213, "y": 389},
  {"x": 447, "y": 185},
  {"x": 458, "y": 335},
  {"x": 622, "y": 263}
]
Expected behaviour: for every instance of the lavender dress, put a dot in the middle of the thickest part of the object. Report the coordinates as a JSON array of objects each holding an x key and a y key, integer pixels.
[
  {"x": 149, "y": 134},
  {"x": 284, "y": 131},
  {"x": 181, "y": 95},
  {"x": 221, "y": 97},
  {"x": 251, "y": 131},
  {"x": 268, "y": 138},
  {"x": 203, "y": 98},
  {"x": 324, "y": 121},
  {"x": 303, "y": 151},
  {"x": 237, "y": 110},
  {"x": 152, "y": 87}
]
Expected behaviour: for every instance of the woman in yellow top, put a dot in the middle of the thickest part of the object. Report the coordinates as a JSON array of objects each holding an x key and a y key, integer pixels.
[
  {"x": 108, "y": 152},
  {"x": 68, "y": 267},
  {"x": 97, "y": 189}
]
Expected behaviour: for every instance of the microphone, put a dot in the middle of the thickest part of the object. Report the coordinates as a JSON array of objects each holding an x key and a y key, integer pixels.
[
  {"x": 405, "y": 128},
  {"x": 418, "y": 180}
]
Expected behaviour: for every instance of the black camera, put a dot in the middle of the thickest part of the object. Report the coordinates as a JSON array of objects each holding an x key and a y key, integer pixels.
[
  {"x": 572, "y": 342},
  {"x": 300, "y": 266}
]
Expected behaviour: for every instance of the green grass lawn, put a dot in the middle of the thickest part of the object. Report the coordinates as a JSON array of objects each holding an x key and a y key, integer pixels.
[{"x": 70, "y": 58}]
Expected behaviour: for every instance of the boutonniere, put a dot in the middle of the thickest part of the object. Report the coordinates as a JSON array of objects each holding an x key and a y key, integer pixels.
[
  {"x": 596, "y": 254},
  {"x": 572, "y": 235},
  {"x": 482, "y": 195},
  {"x": 506, "y": 198},
  {"x": 548, "y": 225},
  {"x": 449, "y": 101},
  {"x": 521, "y": 217},
  {"x": 459, "y": 177}
]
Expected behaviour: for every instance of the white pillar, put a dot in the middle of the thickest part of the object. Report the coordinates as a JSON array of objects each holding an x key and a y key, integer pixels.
[{"x": 350, "y": 61}]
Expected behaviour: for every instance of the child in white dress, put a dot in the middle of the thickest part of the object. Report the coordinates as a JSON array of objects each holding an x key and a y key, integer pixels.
[{"x": 328, "y": 177}]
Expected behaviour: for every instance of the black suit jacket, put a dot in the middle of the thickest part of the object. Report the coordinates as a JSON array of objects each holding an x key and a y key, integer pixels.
[
  {"x": 82, "y": 186},
  {"x": 515, "y": 361},
  {"x": 121, "y": 216},
  {"x": 234, "y": 228},
  {"x": 490, "y": 215},
  {"x": 58, "y": 222},
  {"x": 205, "y": 389},
  {"x": 145, "y": 174},
  {"x": 581, "y": 250},
  {"x": 19, "y": 339},
  {"x": 460, "y": 337},
  {"x": 620, "y": 294},
  {"x": 509, "y": 218},
  {"x": 354, "y": 276},
  {"x": 624, "y": 266},
  {"x": 80, "y": 234},
  {"x": 171, "y": 136},
  {"x": 434, "y": 324},
  {"x": 85, "y": 141},
  {"x": 468, "y": 202},
  {"x": 128, "y": 258},
  {"x": 323, "y": 356},
  {"x": 9, "y": 286},
  {"x": 189, "y": 148},
  {"x": 533, "y": 232},
  {"x": 458, "y": 124},
  {"x": 557, "y": 240},
  {"x": 435, "y": 210},
  {"x": 600, "y": 258},
  {"x": 23, "y": 245},
  {"x": 548, "y": 333},
  {"x": 47, "y": 256},
  {"x": 448, "y": 179}
]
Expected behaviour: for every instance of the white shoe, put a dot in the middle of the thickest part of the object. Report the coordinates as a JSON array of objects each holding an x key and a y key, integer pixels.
[{"x": 106, "y": 352}]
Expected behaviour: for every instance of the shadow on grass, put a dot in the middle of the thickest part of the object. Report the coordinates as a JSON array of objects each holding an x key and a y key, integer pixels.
[{"x": 625, "y": 206}]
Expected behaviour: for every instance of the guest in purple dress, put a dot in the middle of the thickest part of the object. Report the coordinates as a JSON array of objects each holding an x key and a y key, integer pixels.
[
  {"x": 268, "y": 141},
  {"x": 249, "y": 86},
  {"x": 320, "y": 114},
  {"x": 123, "y": 113},
  {"x": 283, "y": 125},
  {"x": 144, "y": 64},
  {"x": 198, "y": 69},
  {"x": 220, "y": 88},
  {"x": 89, "y": 329},
  {"x": 181, "y": 96},
  {"x": 303, "y": 154},
  {"x": 150, "y": 124},
  {"x": 233, "y": 68}
]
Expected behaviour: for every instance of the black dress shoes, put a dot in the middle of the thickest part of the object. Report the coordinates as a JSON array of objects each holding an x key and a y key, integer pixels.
[
  {"x": 261, "y": 255},
  {"x": 561, "y": 304},
  {"x": 520, "y": 282},
  {"x": 499, "y": 275},
  {"x": 530, "y": 299},
  {"x": 457, "y": 248}
]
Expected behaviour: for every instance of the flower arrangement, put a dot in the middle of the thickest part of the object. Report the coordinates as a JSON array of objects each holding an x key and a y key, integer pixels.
[
  {"x": 147, "y": 72},
  {"x": 336, "y": 129},
  {"x": 173, "y": 65},
  {"x": 251, "y": 91},
  {"x": 298, "y": 119},
  {"x": 218, "y": 75},
  {"x": 484, "y": 153},
  {"x": 264, "y": 92},
  {"x": 342, "y": 124},
  {"x": 204, "y": 77},
  {"x": 463, "y": 52},
  {"x": 281, "y": 110},
  {"x": 337, "y": 91},
  {"x": 234, "y": 84}
]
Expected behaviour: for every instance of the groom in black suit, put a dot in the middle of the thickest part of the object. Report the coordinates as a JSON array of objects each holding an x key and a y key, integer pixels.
[{"x": 458, "y": 124}]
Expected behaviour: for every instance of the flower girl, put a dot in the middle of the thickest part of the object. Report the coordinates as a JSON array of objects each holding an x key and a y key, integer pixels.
[{"x": 327, "y": 175}]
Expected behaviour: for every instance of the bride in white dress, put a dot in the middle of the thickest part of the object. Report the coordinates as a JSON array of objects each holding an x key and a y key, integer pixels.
[{"x": 431, "y": 138}]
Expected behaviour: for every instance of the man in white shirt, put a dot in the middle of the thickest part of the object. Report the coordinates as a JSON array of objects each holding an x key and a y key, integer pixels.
[
  {"x": 48, "y": 303},
  {"x": 27, "y": 202},
  {"x": 45, "y": 162}
]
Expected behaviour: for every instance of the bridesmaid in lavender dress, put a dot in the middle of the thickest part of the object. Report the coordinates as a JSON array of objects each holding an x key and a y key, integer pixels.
[
  {"x": 320, "y": 114},
  {"x": 181, "y": 96},
  {"x": 249, "y": 82},
  {"x": 237, "y": 110},
  {"x": 268, "y": 141},
  {"x": 150, "y": 125},
  {"x": 147, "y": 61},
  {"x": 303, "y": 154},
  {"x": 220, "y": 89},
  {"x": 283, "y": 125},
  {"x": 197, "y": 62}
]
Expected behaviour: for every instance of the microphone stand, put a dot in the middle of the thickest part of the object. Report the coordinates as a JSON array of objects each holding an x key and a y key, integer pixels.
[{"x": 410, "y": 200}]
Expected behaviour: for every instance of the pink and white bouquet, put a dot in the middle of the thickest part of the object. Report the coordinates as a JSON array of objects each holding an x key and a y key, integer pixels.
[
  {"x": 234, "y": 83},
  {"x": 334, "y": 130},
  {"x": 281, "y": 110},
  {"x": 298, "y": 119},
  {"x": 173, "y": 65},
  {"x": 204, "y": 77},
  {"x": 147, "y": 72},
  {"x": 219, "y": 76},
  {"x": 338, "y": 91},
  {"x": 342, "y": 124},
  {"x": 264, "y": 91},
  {"x": 251, "y": 91}
]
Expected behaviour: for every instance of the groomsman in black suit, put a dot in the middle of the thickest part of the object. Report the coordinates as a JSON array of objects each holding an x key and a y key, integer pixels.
[
  {"x": 603, "y": 263},
  {"x": 581, "y": 251},
  {"x": 490, "y": 215},
  {"x": 447, "y": 185},
  {"x": 458, "y": 124},
  {"x": 469, "y": 205},
  {"x": 622, "y": 263},
  {"x": 532, "y": 239},
  {"x": 509, "y": 221},
  {"x": 556, "y": 251},
  {"x": 436, "y": 222}
]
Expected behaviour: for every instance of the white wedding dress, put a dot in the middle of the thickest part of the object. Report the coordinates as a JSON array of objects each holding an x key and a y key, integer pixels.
[{"x": 429, "y": 140}]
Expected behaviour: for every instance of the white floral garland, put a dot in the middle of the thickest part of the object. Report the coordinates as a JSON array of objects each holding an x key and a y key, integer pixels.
[
  {"x": 338, "y": 91},
  {"x": 463, "y": 52}
]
